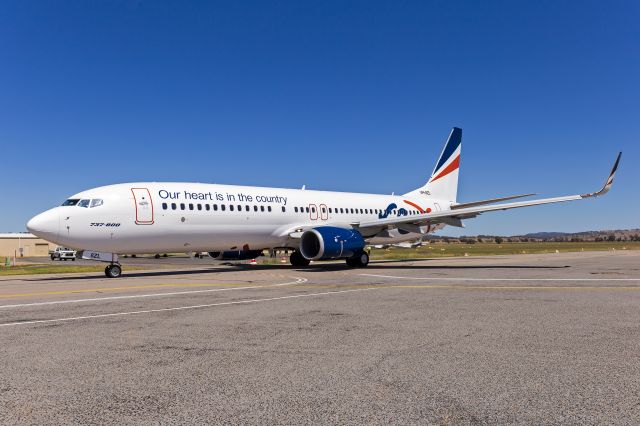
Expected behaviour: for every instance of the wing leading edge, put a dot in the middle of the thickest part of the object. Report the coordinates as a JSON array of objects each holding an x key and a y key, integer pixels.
[{"x": 469, "y": 210}]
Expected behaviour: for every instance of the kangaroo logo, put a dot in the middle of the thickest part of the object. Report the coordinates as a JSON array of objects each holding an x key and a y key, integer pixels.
[
  {"x": 384, "y": 214},
  {"x": 390, "y": 208}
]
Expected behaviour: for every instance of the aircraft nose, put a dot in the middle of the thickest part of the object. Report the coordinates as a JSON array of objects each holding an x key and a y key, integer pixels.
[{"x": 45, "y": 225}]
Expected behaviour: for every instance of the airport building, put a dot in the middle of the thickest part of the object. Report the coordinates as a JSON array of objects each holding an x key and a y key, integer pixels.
[{"x": 24, "y": 245}]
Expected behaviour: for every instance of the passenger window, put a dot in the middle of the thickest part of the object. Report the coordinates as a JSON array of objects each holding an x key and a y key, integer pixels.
[
  {"x": 207, "y": 207},
  {"x": 284, "y": 210},
  {"x": 247, "y": 208},
  {"x": 230, "y": 207},
  {"x": 222, "y": 207},
  {"x": 199, "y": 206},
  {"x": 84, "y": 203},
  {"x": 313, "y": 209},
  {"x": 181, "y": 206},
  {"x": 330, "y": 210},
  {"x": 190, "y": 206},
  {"x": 239, "y": 208},
  {"x": 295, "y": 209},
  {"x": 269, "y": 208},
  {"x": 261, "y": 208},
  {"x": 164, "y": 206},
  {"x": 255, "y": 208},
  {"x": 307, "y": 209},
  {"x": 173, "y": 206},
  {"x": 215, "y": 207},
  {"x": 96, "y": 202},
  {"x": 324, "y": 210}
]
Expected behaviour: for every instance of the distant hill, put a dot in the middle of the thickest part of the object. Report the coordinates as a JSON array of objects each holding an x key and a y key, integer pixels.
[
  {"x": 584, "y": 235},
  {"x": 615, "y": 234},
  {"x": 547, "y": 235}
]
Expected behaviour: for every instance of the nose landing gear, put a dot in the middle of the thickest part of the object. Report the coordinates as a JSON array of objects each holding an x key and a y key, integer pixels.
[{"x": 113, "y": 271}]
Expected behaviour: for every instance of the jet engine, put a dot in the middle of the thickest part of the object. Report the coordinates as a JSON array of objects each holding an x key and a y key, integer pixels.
[
  {"x": 235, "y": 254},
  {"x": 329, "y": 242}
]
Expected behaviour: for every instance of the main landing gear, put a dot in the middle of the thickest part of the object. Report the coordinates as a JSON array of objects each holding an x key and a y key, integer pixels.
[
  {"x": 360, "y": 260},
  {"x": 298, "y": 259}
]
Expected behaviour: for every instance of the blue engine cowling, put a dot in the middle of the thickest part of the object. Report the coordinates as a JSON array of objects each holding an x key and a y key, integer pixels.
[
  {"x": 329, "y": 242},
  {"x": 235, "y": 254}
]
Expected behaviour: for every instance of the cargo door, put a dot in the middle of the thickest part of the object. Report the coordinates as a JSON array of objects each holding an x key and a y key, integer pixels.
[{"x": 144, "y": 206}]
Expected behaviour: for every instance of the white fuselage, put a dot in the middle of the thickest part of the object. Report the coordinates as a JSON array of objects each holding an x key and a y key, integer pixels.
[{"x": 182, "y": 217}]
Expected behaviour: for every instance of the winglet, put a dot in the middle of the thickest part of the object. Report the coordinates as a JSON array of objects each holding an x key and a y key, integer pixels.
[{"x": 608, "y": 182}]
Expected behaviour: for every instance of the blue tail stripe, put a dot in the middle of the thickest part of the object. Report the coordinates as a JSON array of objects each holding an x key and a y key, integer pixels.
[{"x": 452, "y": 144}]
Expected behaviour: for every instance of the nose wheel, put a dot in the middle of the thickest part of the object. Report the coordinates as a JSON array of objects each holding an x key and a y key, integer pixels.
[{"x": 113, "y": 271}]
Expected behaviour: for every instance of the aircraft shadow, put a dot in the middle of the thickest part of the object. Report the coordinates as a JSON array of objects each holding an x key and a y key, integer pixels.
[{"x": 397, "y": 265}]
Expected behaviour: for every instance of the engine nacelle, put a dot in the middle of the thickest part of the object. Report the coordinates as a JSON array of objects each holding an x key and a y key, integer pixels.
[
  {"x": 330, "y": 242},
  {"x": 235, "y": 254}
]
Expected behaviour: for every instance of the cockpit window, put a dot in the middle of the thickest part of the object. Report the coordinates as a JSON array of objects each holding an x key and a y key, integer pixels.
[
  {"x": 96, "y": 202},
  {"x": 71, "y": 202},
  {"x": 84, "y": 203}
]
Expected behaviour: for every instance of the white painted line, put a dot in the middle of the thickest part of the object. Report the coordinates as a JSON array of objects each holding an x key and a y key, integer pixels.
[
  {"x": 182, "y": 308},
  {"x": 462, "y": 279},
  {"x": 138, "y": 296}
]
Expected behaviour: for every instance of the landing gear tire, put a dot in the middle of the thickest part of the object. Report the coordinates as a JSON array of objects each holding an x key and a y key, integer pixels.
[
  {"x": 298, "y": 259},
  {"x": 359, "y": 261},
  {"x": 113, "y": 271}
]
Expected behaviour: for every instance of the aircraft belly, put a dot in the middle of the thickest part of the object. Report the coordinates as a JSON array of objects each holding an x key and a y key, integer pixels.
[{"x": 154, "y": 239}]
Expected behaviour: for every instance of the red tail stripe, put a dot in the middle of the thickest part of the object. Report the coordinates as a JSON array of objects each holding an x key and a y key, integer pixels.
[{"x": 451, "y": 167}]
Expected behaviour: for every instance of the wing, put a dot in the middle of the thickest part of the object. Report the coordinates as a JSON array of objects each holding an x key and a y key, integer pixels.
[{"x": 468, "y": 210}]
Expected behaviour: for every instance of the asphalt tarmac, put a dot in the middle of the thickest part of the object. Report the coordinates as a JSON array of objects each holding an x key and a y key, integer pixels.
[{"x": 528, "y": 339}]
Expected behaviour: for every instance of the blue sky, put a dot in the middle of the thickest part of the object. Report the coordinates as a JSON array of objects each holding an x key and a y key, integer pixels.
[{"x": 350, "y": 96}]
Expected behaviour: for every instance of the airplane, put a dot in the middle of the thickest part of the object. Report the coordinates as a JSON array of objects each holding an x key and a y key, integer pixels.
[{"x": 239, "y": 222}]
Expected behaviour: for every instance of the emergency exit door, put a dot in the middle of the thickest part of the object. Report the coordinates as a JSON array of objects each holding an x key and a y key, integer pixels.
[{"x": 144, "y": 206}]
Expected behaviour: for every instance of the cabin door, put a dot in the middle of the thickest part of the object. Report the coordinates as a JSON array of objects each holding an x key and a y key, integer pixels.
[
  {"x": 144, "y": 206},
  {"x": 313, "y": 212},
  {"x": 324, "y": 212}
]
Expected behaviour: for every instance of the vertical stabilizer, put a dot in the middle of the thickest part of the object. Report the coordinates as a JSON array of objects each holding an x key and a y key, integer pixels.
[{"x": 443, "y": 183}]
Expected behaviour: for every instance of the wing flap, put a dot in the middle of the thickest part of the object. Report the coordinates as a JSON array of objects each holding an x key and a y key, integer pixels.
[{"x": 489, "y": 201}]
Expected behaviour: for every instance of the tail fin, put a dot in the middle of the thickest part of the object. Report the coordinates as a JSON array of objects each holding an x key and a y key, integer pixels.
[{"x": 443, "y": 183}]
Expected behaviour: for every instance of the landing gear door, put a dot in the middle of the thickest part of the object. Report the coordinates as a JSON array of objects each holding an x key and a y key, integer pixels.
[{"x": 144, "y": 206}]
